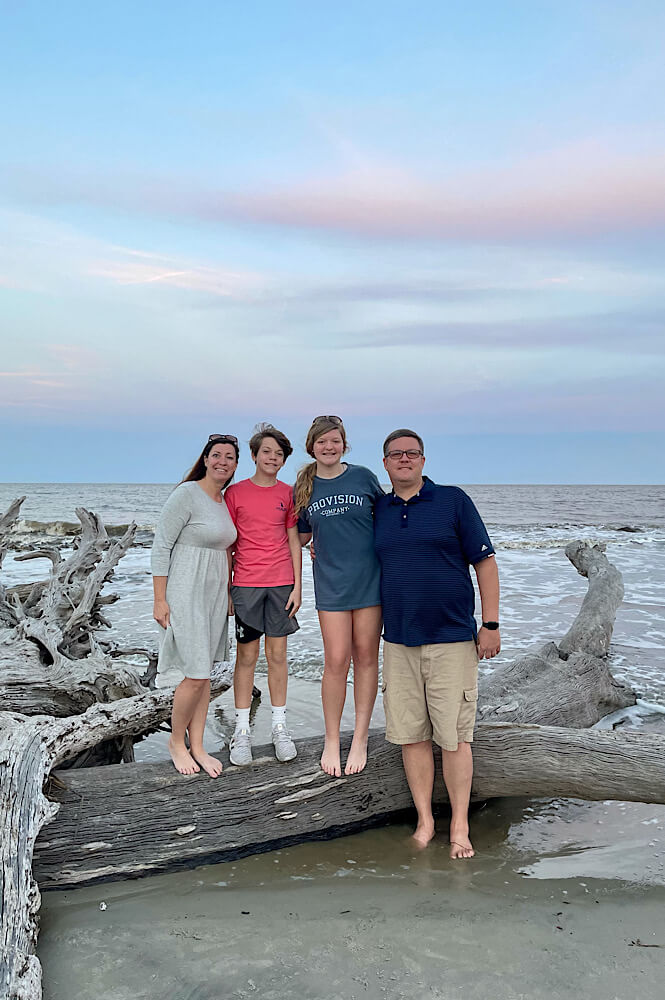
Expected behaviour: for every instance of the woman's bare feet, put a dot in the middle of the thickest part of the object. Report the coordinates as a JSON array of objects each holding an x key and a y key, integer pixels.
[
  {"x": 355, "y": 762},
  {"x": 423, "y": 834},
  {"x": 182, "y": 759},
  {"x": 210, "y": 764},
  {"x": 330, "y": 759},
  {"x": 460, "y": 845}
]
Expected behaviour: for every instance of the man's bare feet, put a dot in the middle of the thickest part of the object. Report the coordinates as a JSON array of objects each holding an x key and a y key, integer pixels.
[
  {"x": 460, "y": 845},
  {"x": 423, "y": 833},
  {"x": 182, "y": 759},
  {"x": 210, "y": 764},
  {"x": 330, "y": 760},
  {"x": 355, "y": 762}
]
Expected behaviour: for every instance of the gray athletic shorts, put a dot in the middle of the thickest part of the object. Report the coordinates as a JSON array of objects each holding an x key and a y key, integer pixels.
[{"x": 261, "y": 611}]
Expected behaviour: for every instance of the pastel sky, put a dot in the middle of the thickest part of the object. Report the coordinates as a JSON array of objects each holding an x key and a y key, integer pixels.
[{"x": 445, "y": 216}]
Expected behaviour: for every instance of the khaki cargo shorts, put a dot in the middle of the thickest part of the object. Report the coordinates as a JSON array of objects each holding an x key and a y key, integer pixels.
[{"x": 430, "y": 692}]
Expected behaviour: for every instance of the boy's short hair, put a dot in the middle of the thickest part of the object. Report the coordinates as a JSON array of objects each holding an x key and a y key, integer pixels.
[
  {"x": 402, "y": 432},
  {"x": 262, "y": 431}
]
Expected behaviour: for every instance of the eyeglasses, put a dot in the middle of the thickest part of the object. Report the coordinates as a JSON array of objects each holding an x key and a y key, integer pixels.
[
  {"x": 332, "y": 418},
  {"x": 225, "y": 438},
  {"x": 411, "y": 453}
]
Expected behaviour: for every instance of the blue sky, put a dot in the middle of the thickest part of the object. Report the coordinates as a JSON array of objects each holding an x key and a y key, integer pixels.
[{"x": 435, "y": 215}]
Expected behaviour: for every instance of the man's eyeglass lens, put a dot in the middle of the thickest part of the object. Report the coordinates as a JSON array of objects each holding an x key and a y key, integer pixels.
[{"x": 409, "y": 452}]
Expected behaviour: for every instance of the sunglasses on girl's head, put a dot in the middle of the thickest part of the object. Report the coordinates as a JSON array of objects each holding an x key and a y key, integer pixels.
[
  {"x": 225, "y": 438},
  {"x": 331, "y": 417}
]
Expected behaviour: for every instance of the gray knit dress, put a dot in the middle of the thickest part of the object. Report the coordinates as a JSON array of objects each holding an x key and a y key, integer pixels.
[{"x": 191, "y": 539}]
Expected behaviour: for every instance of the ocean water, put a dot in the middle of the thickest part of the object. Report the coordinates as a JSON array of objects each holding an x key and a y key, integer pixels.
[{"x": 529, "y": 525}]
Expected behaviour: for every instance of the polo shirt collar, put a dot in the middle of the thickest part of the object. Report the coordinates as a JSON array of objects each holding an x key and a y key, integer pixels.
[{"x": 426, "y": 492}]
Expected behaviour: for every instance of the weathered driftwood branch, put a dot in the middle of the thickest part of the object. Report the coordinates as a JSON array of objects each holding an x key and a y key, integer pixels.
[
  {"x": 569, "y": 684},
  {"x": 50, "y": 660},
  {"x": 65, "y": 613},
  {"x": 591, "y": 632},
  {"x": 8, "y": 612}
]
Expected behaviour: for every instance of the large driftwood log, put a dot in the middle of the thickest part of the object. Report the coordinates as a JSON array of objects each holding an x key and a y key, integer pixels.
[{"x": 143, "y": 818}]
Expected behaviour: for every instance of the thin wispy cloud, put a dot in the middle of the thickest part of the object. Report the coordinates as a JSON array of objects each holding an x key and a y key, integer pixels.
[
  {"x": 148, "y": 270},
  {"x": 626, "y": 334},
  {"x": 43, "y": 255}
]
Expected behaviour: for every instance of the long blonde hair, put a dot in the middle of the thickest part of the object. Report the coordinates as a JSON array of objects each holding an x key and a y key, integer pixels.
[{"x": 305, "y": 479}]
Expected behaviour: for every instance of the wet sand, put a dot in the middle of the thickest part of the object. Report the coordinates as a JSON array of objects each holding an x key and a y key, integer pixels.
[{"x": 563, "y": 899}]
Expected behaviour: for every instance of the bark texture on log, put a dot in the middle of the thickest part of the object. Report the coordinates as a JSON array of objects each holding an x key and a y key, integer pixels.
[
  {"x": 128, "y": 821},
  {"x": 23, "y": 811},
  {"x": 8, "y": 612}
]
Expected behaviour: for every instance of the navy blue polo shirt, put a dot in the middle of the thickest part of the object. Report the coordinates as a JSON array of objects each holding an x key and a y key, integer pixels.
[{"x": 425, "y": 546}]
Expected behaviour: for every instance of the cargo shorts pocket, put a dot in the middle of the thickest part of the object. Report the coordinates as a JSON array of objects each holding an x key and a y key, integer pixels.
[{"x": 471, "y": 694}]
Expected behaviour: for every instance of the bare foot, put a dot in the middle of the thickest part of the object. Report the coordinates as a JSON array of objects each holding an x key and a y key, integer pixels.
[
  {"x": 355, "y": 762},
  {"x": 423, "y": 834},
  {"x": 210, "y": 764},
  {"x": 182, "y": 759},
  {"x": 330, "y": 760},
  {"x": 460, "y": 845}
]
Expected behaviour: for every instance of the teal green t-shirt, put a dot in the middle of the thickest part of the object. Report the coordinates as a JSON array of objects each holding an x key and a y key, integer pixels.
[{"x": 340, "y": 515}]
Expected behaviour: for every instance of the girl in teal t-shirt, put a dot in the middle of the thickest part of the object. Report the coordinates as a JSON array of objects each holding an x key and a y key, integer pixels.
[{"x": 335, "y": 503}]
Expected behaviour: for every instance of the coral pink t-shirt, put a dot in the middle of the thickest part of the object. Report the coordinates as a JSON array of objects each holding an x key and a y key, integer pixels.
[{"x": 261, "y": 515}]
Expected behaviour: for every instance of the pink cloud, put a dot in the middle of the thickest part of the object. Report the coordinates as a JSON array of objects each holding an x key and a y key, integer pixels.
[
  {"x": 577, "y": 191},
  {"x": 558, "y": 197}
]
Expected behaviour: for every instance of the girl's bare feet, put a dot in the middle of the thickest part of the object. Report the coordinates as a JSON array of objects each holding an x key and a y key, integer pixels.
[
  {"x": 355, "y": 762},
  {"x": 330, "y": 759},
  {"x": 210, "y": 764},
  {"x": 182, "y": 758}
]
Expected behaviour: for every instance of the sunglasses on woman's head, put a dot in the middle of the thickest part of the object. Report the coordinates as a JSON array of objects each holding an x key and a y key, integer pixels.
[
  {"x": 224, "y": 438},
  {"x": 333, "y": 419}
]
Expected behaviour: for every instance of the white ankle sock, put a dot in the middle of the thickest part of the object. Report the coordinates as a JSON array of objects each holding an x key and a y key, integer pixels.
[
  {"x": 278, "y": 715},
  {"x": 242, "y": 718}
]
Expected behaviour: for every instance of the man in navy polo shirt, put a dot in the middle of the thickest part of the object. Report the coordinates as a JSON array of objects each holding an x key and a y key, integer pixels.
[{"x": 426, "y": 537}]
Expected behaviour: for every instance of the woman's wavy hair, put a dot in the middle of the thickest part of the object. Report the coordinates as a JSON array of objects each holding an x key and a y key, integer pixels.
[
  {"x": 198, "y": 470},
  {"x": 305, "y": 480}
]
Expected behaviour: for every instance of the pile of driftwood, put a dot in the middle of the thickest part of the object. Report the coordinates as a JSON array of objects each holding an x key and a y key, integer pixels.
[{"x": 66, "y": 696}]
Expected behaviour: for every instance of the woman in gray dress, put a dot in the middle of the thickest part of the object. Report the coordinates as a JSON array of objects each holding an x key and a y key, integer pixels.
[{"x": 190, "y": 567}]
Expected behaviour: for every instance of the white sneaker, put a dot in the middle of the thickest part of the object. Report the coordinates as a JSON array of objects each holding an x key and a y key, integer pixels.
[
  {"x": 285, "y": 748},
  {"x": 241, "y": 747}
]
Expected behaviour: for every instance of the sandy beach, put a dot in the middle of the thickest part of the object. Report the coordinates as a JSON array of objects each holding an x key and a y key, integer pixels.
[{"x": 563, "y": 899}]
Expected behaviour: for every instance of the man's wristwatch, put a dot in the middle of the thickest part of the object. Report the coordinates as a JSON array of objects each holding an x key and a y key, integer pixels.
[{"x": 492, "y": 626}]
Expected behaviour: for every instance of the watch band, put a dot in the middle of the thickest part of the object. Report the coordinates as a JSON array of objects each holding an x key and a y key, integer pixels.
[{"x": 492, "y": 626}]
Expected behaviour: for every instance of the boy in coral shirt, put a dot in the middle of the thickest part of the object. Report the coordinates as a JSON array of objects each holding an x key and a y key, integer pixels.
[{"x": 266, "y": 590}]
